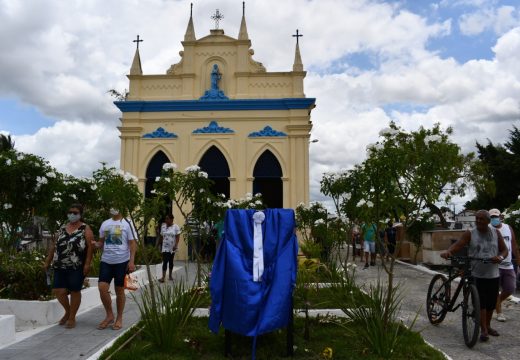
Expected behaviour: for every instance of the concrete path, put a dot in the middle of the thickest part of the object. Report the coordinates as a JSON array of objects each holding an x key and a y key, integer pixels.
[
  {"x": 447, "y": 336},
  {"x": 58, "y": 343}
]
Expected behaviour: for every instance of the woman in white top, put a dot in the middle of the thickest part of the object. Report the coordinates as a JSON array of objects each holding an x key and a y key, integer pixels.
[
  {"x": 505, "y": 268},
  {"x": 168, "y": 242}
]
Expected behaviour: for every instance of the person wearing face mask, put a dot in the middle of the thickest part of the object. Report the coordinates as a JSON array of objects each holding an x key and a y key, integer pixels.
[
  {"x": 506, "y": 269},
  {"x": 117, "y": 239},
  {"x": 71, "y": 255}
]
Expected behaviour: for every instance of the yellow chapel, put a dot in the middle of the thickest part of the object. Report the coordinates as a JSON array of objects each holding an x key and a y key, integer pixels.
[{"x": 218, "y": 108}]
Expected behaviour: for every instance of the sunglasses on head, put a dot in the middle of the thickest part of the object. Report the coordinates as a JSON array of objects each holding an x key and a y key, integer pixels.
[{"x": 73, "y": 212}]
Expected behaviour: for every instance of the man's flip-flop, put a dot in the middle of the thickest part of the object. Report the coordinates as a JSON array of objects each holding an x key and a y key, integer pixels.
[
  {"x": 117, "y": 327},
  {"x": 493, "y": 332},
  {"x": 104, "y": 324}
]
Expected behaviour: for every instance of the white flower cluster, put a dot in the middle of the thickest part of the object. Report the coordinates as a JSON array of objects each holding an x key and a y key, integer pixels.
[
  {"x": 169, "y": 166},
  {"x": 388, "y": 132},
  {"x": 432, "y": 138},
  {"x": 203, "y": 174},
  {"x": 192, "y": 168},
  {"x": 363, "y": 202},
  {"x": 8, "y": 206},
  {"x": 351, "y": 266},
  {"x": 51, "y": 174},
  {"x": 130, "y": 177},
  {"x": 56, "y": 199},
  {"x": 8, "y": 162},
  {"x": 319, "y": 222}
]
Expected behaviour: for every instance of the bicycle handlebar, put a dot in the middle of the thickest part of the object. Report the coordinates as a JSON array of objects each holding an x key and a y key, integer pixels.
[{"x": 483, "y": 260}]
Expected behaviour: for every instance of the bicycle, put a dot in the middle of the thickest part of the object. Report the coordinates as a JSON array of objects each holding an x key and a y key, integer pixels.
[{"x": 439, "y": 300}]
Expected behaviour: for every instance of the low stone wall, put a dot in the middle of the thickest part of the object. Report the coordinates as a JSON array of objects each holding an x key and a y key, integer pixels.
[
  {"x": 7, "y": 329},
  {"x": 39, "y": 313},
  {"x": 434, "y": 242}
]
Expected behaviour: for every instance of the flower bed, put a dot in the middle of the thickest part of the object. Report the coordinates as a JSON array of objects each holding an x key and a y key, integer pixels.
[
  {"x": 328, "y": 341},
  {"x": 22, "y": 276}
]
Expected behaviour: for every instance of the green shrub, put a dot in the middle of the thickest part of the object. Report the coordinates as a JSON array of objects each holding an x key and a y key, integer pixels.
[
  {"x": 96, "y": 260},
  {"x": 151, "y": 254},
  {"x": 376, "y": 315},
  {"x": 22, "y": 276},
  {"x": 167, "y": 313}
]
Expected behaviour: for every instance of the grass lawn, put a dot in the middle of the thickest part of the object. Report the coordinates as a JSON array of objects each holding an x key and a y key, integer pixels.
[{"x": 196, "y": 342}]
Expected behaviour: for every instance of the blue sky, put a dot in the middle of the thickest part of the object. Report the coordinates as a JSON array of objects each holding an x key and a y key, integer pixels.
[{"x": 368, "y": 62}]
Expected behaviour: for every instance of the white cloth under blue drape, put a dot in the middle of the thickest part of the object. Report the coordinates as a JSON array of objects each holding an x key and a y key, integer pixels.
[{"x": 258, "y": 248}]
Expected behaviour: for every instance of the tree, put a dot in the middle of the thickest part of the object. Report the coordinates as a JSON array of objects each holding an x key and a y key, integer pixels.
[
  {"x": 404, "y": 174},
  {"x": 6, "y": 143},
  {"x": 502, "y": 167}
]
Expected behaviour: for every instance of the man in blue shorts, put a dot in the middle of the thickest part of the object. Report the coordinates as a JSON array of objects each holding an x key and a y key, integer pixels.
[{"x": 369, "y": 243}]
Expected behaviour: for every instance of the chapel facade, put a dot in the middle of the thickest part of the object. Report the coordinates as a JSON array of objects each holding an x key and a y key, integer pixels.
[{"x": 218, "y": 108}]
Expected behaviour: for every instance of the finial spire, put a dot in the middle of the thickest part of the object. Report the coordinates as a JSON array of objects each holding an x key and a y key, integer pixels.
[
  {"x": 242, "y": 34},
  {"x": 298, "y": 64},
  {"x": 190, "y": 30},
  {"x": 136, "y": 69}
]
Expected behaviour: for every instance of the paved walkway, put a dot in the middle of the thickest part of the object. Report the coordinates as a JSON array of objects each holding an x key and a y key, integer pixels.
[
  {"x": 447, "y": 336},
  {"x": 58, "y": 343}
]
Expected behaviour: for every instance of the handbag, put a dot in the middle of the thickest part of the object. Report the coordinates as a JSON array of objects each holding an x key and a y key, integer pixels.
[{"x": 131, "y": 282}]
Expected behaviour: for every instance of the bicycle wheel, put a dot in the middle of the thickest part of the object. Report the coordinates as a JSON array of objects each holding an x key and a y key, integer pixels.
[
  {"x": 438, "y": 298},
  {"x": 470, "y": 315}
]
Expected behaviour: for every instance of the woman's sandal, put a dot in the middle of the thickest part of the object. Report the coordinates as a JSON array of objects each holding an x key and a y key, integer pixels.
[
  {"x": 63, "y": 320},
  {"x": 104, "y": 324},
  {"x": 117, "y": 326},
  {"x": 484, "y": 337},
  {"x": 70, "y": 324}
]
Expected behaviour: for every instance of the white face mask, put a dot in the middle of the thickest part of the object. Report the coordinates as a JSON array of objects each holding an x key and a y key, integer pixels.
[
  {"x": 114, "y": 212},
  {"x": 73, "y": 217}
]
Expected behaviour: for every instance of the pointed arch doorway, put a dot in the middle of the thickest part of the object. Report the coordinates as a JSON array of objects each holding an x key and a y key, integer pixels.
[
  {"x": 215, "y": 164},
  {"x": 268, "y": 180},
  {"x": 154, "y": 170}
]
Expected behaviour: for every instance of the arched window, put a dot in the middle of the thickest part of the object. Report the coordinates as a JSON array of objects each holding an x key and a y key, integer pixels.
[
  {"x": 268, "y": 180},
  {"x": 215, "y": 164}
]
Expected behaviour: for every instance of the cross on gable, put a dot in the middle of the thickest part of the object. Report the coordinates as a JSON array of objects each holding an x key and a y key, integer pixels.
[
  {"x": 297, "y": 36},
  {"x": 217, "y": 17},
  {"x": 138, "y": 41}
]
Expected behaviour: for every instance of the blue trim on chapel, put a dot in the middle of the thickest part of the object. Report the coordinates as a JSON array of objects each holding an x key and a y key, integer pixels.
[
  {"x": 267, "y": 131},
  {"x": 160, "y": 133},
  {"x": 213, "y": 128},
  {"x": 215, "y": 105}
]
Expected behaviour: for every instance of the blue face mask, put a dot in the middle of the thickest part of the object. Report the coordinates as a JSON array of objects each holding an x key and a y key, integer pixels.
[{"x": 495, "y": 221}]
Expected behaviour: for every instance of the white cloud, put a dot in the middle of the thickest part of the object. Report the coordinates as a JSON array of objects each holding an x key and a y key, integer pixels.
[
  {"x": 74, "y": 147},
  {"x": 500, "y": 20}
]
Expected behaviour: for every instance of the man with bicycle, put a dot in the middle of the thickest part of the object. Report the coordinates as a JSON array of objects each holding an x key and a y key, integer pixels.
[{"x": 483, "y": 242}]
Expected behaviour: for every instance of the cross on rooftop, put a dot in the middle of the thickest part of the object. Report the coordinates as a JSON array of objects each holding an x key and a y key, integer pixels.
[
  {"x": 297, "y": 36},
  {"x": 138, "y": 41},
  {"x": 217, "y": 17}
]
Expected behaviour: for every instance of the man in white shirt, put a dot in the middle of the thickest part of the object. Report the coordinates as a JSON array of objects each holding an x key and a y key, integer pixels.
[
  {"x": 117, "y": 238},
  {"x": 506, "y": 269}
]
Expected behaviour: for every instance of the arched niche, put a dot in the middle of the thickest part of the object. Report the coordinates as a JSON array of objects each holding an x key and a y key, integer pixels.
[{"x": 267, "y": 175}]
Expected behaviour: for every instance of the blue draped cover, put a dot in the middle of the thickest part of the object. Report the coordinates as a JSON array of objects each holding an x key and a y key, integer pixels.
[{"x": 237, "y": 302}]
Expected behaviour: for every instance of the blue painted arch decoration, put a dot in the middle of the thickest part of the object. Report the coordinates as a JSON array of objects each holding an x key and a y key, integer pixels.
[
  {"x": 267, "y": 132},
  {"x": 213, "y": 128},
  {"x": 160, "y": 133}
]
